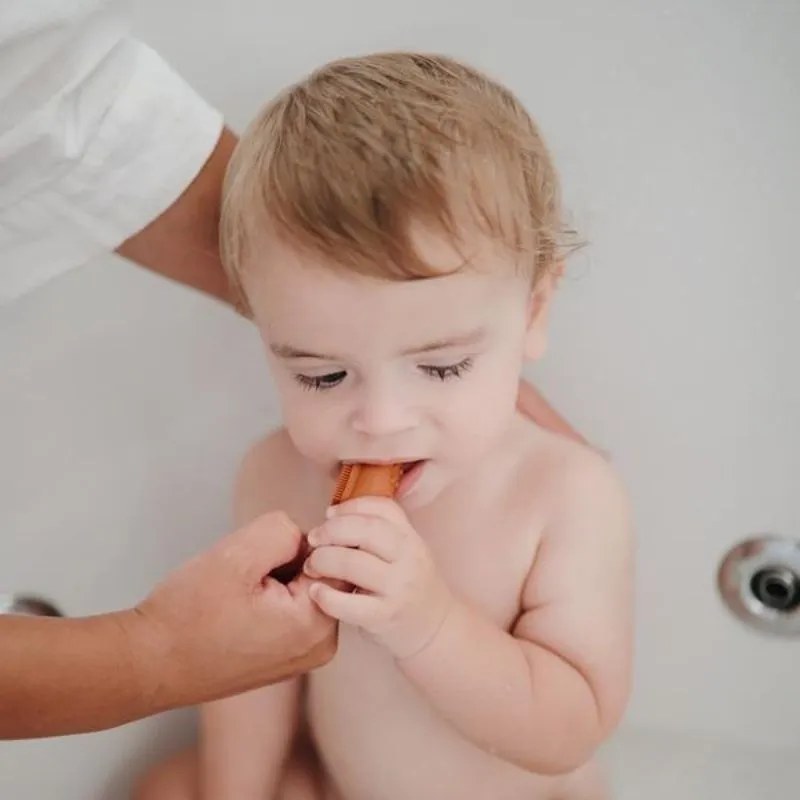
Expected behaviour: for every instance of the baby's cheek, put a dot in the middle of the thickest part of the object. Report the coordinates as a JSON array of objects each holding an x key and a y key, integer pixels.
[
  {"x": 480, "y": 416},
  {"x": 309, "y": 430}
]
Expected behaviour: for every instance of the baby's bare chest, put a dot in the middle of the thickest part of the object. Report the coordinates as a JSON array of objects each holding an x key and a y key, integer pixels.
[
  {"x": 362, "y": 704},
  {"x": 483, "y": 552}
]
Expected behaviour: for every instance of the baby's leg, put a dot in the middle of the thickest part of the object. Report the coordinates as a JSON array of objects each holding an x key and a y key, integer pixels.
[
  {"x": 177, "y": 779},
  {"x": 303, "y": 779},
  {"x": 587, "y": 783},
  {"x": 174, "y": 779}
]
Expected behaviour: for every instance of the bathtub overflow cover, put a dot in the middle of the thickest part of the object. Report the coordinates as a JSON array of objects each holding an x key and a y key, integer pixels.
[{"x": 759, "y": 581}]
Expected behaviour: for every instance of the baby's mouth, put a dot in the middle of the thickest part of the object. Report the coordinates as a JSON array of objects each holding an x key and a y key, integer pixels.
[{"x": 405, "y": 466}]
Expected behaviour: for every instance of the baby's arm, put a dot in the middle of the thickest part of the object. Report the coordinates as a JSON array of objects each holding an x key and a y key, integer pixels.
[
  {"x": 546, "y": 696},
  {"x": 246, "y": 740}
]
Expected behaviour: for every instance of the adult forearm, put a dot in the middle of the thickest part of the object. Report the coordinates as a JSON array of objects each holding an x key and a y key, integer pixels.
[
  {"x": 510, "y": 698},
  {"x": 213, "y": 628},
  {"x": 532, "y": 403},
  {"x": 183, "y": 243},
  {"x": 64, "y": 676}
]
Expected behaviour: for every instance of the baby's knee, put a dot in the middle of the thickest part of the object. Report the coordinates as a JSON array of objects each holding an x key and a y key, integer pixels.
[
  {"x": 590, "y": 782},
  {"x": 173, "y": 779}
]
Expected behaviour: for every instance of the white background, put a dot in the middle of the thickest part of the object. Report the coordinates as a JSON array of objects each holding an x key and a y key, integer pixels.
[{"x": 126, "y": 402}]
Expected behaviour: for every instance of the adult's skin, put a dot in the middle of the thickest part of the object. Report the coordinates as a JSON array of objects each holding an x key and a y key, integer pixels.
[{"x": 213, "y": 628}]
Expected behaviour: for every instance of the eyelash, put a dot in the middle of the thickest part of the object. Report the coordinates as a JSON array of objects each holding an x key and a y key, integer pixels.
[
  {"x": 322, "y": 383},
  {"x": 450, "y": 371}
]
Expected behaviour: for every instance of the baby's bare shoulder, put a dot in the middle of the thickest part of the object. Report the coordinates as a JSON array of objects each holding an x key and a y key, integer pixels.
[
  {"x": 571, "y": 481},
  {"x": 272, "y": 475},
  {"x": 273, "y": 451}
]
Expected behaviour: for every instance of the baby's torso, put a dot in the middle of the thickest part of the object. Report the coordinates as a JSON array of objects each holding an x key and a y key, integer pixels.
[{"x": 376, "y": 736}]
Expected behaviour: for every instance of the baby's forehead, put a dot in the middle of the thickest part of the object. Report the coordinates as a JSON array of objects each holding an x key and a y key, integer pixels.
[
  {"x": 318, "y": 308},
  {"x": 291, "y": 288}
]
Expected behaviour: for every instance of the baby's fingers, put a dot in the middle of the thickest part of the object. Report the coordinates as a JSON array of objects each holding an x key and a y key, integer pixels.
[
  {"x": 357, "y": 568},
  {"x": 371, "y": 506},
  {"x": 359, "y": 610},
  {"x": 371, "y": 534}
]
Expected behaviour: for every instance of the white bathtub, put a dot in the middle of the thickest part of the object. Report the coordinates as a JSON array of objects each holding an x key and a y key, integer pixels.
[
  {"x": 658, "y": 765},
  {"x": 642, "y": 765},
  {"x": 125, "y": 403}
]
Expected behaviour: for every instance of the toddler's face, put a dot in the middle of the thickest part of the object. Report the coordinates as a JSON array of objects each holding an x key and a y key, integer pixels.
[{"x": 371, "y": 370}]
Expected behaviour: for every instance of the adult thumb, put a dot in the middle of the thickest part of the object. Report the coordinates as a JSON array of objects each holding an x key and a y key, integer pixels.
[{"x": 265, "y": 543}]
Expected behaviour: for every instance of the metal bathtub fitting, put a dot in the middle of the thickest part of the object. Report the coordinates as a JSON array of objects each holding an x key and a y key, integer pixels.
[
  {"x": 759, "y": 581},
  {"x": 28, "y": 605}
]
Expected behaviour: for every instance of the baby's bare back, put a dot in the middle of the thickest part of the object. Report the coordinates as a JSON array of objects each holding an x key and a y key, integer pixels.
[{"x": 376, "y": 736}]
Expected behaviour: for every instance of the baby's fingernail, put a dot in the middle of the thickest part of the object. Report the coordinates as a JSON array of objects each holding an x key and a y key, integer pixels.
[
  {"x": 312, "y": 537},
  {"x": 330, "y": 511},
  {"x": 309, "y": 570}
]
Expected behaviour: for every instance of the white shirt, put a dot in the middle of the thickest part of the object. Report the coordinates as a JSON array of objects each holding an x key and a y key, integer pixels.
[{"x": 98, "y": 135}]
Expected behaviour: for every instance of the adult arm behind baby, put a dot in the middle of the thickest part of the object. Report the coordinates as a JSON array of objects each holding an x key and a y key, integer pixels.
[{"x": 532, "y": 404}]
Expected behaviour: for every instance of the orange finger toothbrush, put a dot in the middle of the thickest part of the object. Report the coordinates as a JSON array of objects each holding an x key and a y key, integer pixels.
[
  {"x": 355, "y": 480},
  {"x": 361, "y": 480}
]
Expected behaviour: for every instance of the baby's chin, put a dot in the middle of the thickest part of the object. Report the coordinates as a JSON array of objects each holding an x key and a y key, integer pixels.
[
  {"x": 327, "y": 467},
  {"x": 324, "y": 465}
]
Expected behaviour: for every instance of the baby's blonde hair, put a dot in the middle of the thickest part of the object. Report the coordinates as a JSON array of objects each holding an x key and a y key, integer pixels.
[{"x": 342, "y": 163}]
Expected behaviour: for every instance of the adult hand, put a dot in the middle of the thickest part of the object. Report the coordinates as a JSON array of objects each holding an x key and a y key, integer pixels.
[
  {"x": 220, "y": 625},
  {"x": 215, "y": 627}
]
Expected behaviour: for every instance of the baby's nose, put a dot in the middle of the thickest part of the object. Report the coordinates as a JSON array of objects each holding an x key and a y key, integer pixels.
[{"x": 382, "y": 415}]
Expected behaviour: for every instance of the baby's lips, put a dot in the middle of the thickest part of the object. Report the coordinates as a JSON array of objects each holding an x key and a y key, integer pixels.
[
  {"x": 362, "y": 480},
  {"x": 287, "y": 572}
]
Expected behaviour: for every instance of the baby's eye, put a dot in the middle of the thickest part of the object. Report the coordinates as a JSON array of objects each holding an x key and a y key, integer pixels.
[
  {"x": 321, "y": 382},
  {"x": 448, "y": 371}
]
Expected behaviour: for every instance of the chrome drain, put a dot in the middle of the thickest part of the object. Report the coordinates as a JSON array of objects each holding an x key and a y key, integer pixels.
[
  {"x": 28, "y": 605},
  {"x": 777, "y": 588},
  {"x": 759, "y": 580}
]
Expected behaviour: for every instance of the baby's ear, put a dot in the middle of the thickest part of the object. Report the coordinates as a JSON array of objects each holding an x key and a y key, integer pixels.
[{"x": 538, "y": 313}]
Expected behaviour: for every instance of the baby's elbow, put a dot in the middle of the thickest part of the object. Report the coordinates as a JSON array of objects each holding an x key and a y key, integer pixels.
[
  {"x": 573, "y": 739},
  {"x": 564, "y": 755},
  {"x": 570, "y": 722}
]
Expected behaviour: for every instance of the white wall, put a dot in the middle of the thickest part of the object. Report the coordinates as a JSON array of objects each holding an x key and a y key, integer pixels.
[{"x": 675, "y": 127}]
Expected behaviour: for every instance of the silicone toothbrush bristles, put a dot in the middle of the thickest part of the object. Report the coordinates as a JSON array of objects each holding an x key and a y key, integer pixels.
[
  {"x": 360, "y": 480},
  {"x": 345, "y": 471}
]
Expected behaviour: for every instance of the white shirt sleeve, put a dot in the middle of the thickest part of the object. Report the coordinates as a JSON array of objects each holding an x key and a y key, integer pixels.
[{"x": 98, "y": 136}]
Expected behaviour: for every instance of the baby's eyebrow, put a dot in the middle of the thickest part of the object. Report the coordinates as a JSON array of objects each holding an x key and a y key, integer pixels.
[
  {"x": 461, "y": 340},
  {"x": 290, "y": 352},
  {"x": 473, "y": 337}
]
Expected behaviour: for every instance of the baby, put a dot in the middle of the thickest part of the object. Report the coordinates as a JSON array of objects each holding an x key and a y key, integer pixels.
[{"x": 393, "y": 224}]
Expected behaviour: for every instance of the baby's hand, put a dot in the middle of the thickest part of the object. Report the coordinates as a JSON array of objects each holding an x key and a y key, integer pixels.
[{"x": 400, "y": 598}]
